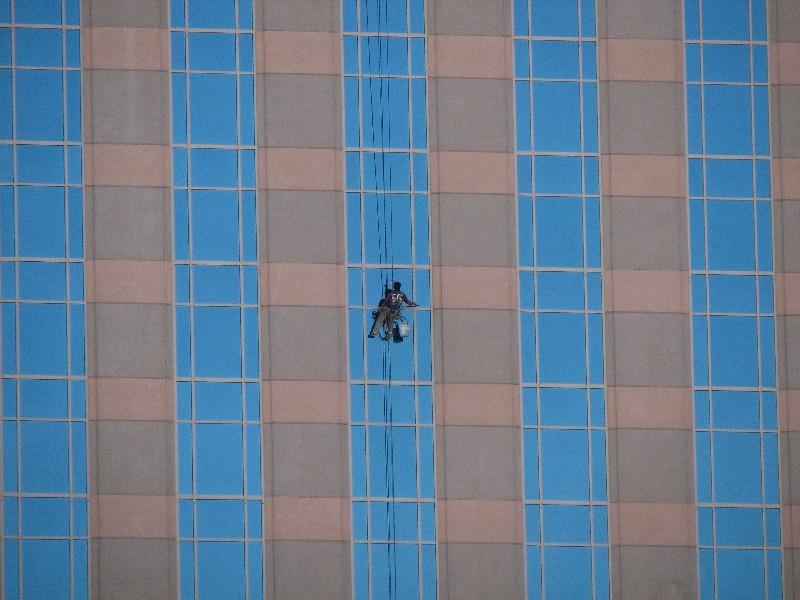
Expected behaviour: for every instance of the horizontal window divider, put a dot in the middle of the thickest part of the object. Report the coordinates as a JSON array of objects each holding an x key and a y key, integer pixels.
[
  {"x": 46, "y": 495},
  {"x": 736, "y": 505},
  {"x": 702, "y": 41}
]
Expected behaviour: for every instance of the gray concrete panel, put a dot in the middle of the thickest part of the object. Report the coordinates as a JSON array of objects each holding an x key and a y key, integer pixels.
[
  {"x": 469, "y": 17},
  {"x": 481, "y": 571},
  {"x": 300, "y": 111},
  {"x": 475, "y": 346},
  {"x": 125, "y": 223},
  {"x": 642, "y": 117},
  {"x": 308, "y": 459},
  {"x": 640, "y": 19},
  {"x": 784, "y": 20},
  {"x": 310, "y": 569},
  {"x": 305, "y": 227},
  {"x": 304, "y": 343},
  {"x": 134, "y": 569},
  {"x": 130, "y": 340},
  {"x": 791, "y": 572},
  {"x": 478, "y": 463},
  {"x": 134, "y": 457},
  {"x": 788, "y": 338},
  {"x": 124, "y": 13},
  {"x": 648, "y": 349},
  {"x": 786, "y": 235},
  {"x": 789, "y": 456},
  {"x": 476, "y": 114},
  {"x": 786, "y": 119},
  {"x": 298, "y": 15},
  {"x": 473, "y": 230},
  {"x": 657, "y": 572},
  {"x": 645, "y": 233},
  {"x": 127, "y": 107},
  {"x": 651, "y": 465}
]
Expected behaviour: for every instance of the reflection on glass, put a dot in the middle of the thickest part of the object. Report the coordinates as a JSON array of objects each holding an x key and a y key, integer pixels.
[{"x": 391, "y": 399}]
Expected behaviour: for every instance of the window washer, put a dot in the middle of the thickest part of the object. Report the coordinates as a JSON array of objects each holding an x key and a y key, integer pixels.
[{"x": 388, "y": 310}]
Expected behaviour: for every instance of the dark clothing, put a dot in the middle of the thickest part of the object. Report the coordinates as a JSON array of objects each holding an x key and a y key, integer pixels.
[{"x": 388, "y": 311}]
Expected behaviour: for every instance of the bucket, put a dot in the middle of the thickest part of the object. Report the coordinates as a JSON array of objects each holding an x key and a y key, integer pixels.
[{"x": 403, "y": 329}]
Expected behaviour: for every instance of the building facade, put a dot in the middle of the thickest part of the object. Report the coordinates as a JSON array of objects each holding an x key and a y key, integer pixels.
[{"x": 594, "y": 204}]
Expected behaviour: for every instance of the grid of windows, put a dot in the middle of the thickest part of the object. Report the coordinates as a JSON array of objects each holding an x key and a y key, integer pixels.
[
  {"x": 42, "y": 310},
  {"x": 732, "y": 299},
  {"x": 391, "y": 393},
  {"x": 217, "y": 303},
  {"x": 561, "y": 327}
]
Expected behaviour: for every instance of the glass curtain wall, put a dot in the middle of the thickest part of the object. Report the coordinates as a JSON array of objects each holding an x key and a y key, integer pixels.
[
  {"x": 561, "y": 326},
  {"x": 45, "y": 529},
  {"x": 391, "y": 392},
  {"x": 732, "y": 299},
  {"x": 216, "y": 296}
]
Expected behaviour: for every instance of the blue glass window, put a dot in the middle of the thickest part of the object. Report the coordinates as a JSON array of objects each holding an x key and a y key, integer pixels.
[
  {"x": 387, "y": 225},
  {"x": 560, "y": 298},
  {"x": 219, "y": 433},
  {"x": 733, "y": 328}
]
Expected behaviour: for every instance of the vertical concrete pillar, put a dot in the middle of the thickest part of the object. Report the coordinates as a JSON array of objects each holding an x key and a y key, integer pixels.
[
  {"x": 475, "y": 323},
  {"x": 302, "y": 287},
  {"x": 129, "y": 299},
  {"x": 784, "y": 77},
  {"x": 646, "y": 298}
]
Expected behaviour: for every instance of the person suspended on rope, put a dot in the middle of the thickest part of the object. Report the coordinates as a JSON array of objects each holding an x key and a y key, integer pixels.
[{"x": 388, "y": 310}]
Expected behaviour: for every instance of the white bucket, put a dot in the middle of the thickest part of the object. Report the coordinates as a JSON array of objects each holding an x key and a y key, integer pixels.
[{"x": 403, "y": 329}]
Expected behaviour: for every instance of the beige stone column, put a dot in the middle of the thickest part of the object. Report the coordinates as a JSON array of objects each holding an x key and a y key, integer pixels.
[
  {"x": 646, "y": 299},
  {"x": 302, "y": 288},
  {"x": 127, "y": 178},
  {"x": 479, "y": 487},
  {"x": 784, "y": 77}
]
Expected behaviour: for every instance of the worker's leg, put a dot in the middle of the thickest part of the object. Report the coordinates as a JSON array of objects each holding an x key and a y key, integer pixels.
[
  {"x": 390, "y": 317},
  {"x": 376, "y": 324}
]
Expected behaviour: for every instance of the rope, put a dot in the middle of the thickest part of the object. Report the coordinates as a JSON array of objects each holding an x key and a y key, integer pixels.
[{"x": 384, "y": 218}]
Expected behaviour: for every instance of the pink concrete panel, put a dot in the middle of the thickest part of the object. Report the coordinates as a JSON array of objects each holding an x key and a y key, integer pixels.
[
  {"x": 786, "y": 178},
  {"x": 117, "y": 399},
  {"x": 643, "y": 175},
  {"x": 494, "y": 404},
  {"x": 133, "y": 48},
  {"x": 650, "y": 408},
  {"x": 787, "y": 293},
  {"x": 470, "y": 56},
  {"x": 302, "y": 284},
  {"x": 306, "y": 52},
  {"x": 129, "y": 281},
  {"x": 305, "y": 401},
  {"x": 646, "y": 291},
  {"x": 489, "y": 521},
  {"x": 474, "y": 287},
  {"x": 296, "y": 518},
  {"x": 640, "y": 60},
  {"x": 472, "y": 172},
  {"x": 789, "y": 410},
  {"x": 300, "y": 169},
  {"x": 652, "y": 524},
  {"x": 784, "y": 63},
  {"x": 141, "y": 165},
  {"x": 132, "y": 516}
]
